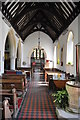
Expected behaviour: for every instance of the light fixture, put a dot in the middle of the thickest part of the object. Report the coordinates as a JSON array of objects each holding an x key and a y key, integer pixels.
[{"x": 39, "y": 40}]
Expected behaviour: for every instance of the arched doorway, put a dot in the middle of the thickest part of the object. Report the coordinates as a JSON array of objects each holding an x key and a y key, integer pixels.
[
  {"x": 38, "y": 59},
  {"x": 7, "y": 54}
]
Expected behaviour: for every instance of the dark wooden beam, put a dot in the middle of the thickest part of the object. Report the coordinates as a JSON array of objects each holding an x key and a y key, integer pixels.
[
  {"x": 48, "y": 22},
  {"x": 66, "y": 11},
  {"x": 48, "y": 32},
  {"x": 21, "y": 23},
  {"x": 18, "y": 9},
  {"x": 71, "y": 5},
  {"x": 61, "y": 10},
  {"x": 33, "y": 30},
  {"x": 55, "y": 12},
  {"x": 22, "y": 13},
  {"x": 14, "y": 8},
  {"x": 31, "y": 8},
  {"x": 68, "y": 7},
  {"x": 66, "y": 21},
  {"x": 11, "y": 5},
  {"x": 27, "y": 33},
  {"x": 6, "y": 13},
  {"x": 30, "y": 22},
  {"x": 8, "y": 3},
  {"x": 77, "y": 11}
]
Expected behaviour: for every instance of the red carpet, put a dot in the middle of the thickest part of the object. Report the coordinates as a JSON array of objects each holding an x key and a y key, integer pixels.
[{"x": 37, "y": 103}]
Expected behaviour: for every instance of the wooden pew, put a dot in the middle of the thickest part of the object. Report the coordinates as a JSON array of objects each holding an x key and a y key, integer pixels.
[
  {"x": 15, "y": 76},
  {"x": 12, "y": 83},
  {"x": 5, "y": 112},
  {"x": 60, "y": 84},
  {"x": 28, "y": 70},
  {"x": 11, "y": 96}
]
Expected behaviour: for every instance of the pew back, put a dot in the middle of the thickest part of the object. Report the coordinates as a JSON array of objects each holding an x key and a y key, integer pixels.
[
  {"x": 16, "y": 77},
  {"x": 9, "y": 95},
  {"x": 12, "y": 83}
]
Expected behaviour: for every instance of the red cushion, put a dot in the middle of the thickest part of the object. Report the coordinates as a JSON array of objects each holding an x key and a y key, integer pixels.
[
  {"x": 10, "y": 72},
  {"x": 19, "y": 102},
  {"x": 11, "y": 107}
]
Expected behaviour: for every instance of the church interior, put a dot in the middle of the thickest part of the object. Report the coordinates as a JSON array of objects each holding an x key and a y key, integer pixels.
[{"x": 40, "y": 60}]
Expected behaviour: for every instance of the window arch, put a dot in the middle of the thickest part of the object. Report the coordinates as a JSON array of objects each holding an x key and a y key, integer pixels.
[
  {"x": 70, "y": 48},
  {"x": 61, "y": 59},
  {"x": 58, "y": 53},
  {"x": 55, "y": 57}
]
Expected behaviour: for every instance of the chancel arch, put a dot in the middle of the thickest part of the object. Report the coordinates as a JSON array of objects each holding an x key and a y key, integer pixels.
[{"x": 38, "y": 57}]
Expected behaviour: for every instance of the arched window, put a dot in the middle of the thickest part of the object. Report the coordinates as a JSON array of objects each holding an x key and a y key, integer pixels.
[
  {"x": 38, "y": 58},
  {"x": 62, "y": 56},
  {"x": 55, "y": 57},
  {"x": 70, "y": 48},
  {"x": 38, "y": 53},
  {"x": 58, "y": 53}
]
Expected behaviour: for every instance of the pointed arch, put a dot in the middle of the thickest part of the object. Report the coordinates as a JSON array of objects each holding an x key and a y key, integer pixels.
[
  {"x": 70, "y": 43},
  {"x": 12, "y": 48},
  {"x": 58, "y": 53}
]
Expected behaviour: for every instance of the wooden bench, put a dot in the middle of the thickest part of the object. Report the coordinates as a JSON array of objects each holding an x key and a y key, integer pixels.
[
  {"x": 16, "y": 77},
  {"x": 28, "y": 70},
  {"x": 11, "y": 96},
  {"x": 13, "y": 83},
  {"x": 60, "y": 84},
  {"x": 5, "y": 112}
]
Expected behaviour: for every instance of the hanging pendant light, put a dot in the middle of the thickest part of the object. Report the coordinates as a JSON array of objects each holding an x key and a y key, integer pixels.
[{"x": 39, "y": 40}]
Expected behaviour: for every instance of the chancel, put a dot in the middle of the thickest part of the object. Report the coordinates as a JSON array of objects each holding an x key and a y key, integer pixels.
[{"x": 40, "y": 59}]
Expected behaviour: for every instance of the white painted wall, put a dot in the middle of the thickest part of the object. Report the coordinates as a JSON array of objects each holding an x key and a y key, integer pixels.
[
  {"x": 63, "y": 41},
  {"x": 0, "y": 43},
  {"x": 32, "y": 41},
  {"x": 4, "y": 31},
  {"x": 79, "y": 28}
]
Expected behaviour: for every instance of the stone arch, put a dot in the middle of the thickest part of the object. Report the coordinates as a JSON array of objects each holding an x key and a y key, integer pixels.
[
  {"x": 31, "y": 51},
  {"x": 31, "y": 42},
  {"x": 12, "y": 43}
]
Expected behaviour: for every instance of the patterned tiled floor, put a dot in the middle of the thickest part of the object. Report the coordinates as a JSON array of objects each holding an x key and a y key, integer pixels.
[{"x": 37, "y": 103}]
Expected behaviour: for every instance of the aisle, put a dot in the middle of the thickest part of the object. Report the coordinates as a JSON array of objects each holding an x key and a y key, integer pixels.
[{"x": 37, "y": 102}]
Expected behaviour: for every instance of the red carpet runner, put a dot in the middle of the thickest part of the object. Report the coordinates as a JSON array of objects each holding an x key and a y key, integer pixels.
[{"x": 37, "y": 103}]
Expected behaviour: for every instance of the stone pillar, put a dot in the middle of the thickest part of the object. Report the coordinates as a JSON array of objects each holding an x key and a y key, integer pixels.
[{"x": 12, "y": 64}]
